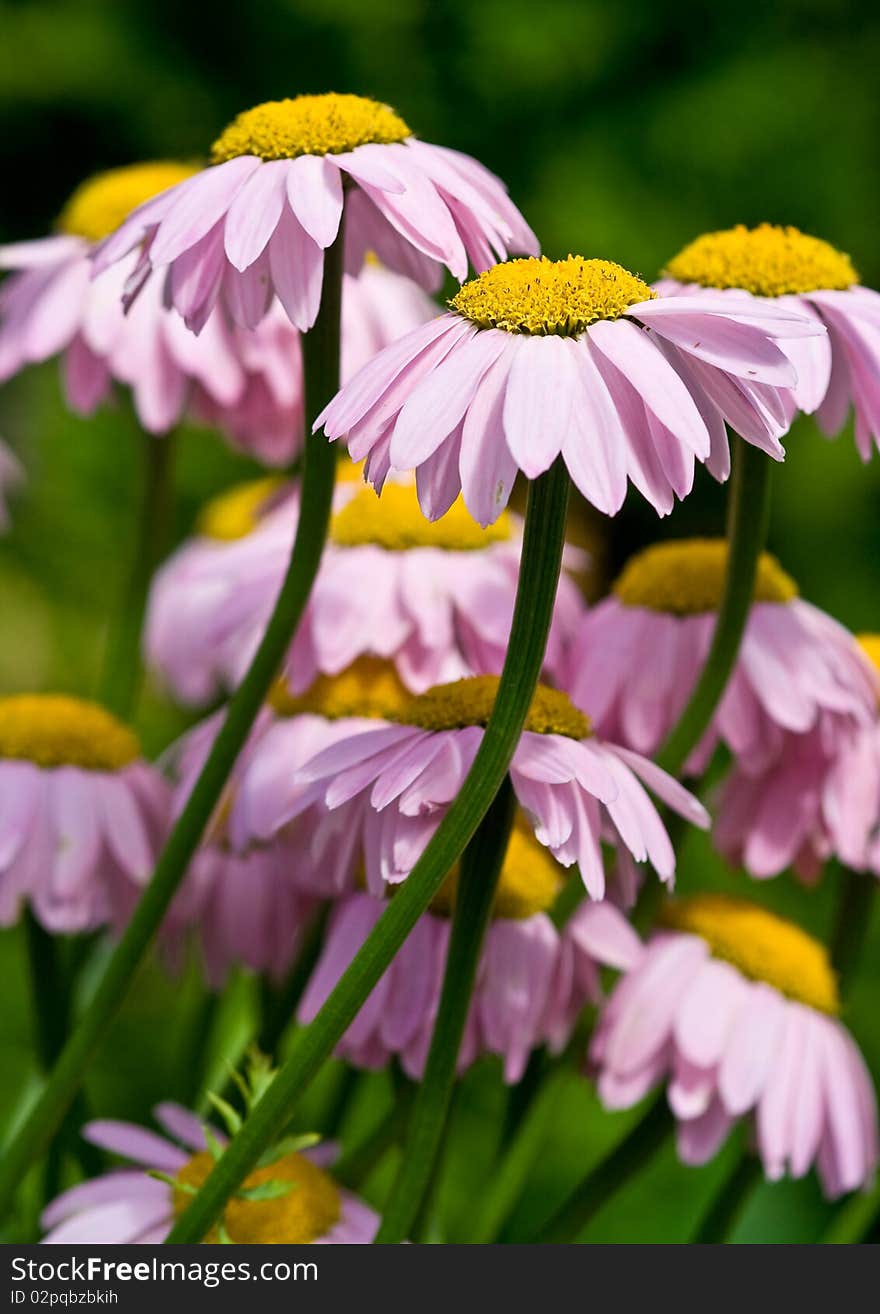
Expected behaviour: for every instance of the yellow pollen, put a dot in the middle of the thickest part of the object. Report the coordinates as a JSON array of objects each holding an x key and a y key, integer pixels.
[
  {"x": 769, "y": 261},
  {"x": 541, "y": 296},
  {"x": 100, "y": 204},
  {"x": 685, "y": 577},
  {"x": 531, "y": 878},
  {"x": 370, "y": 687},
  {"x": 470, "y": 702},
  {"x": 308, "y": 125},
  {"x": 762, "y": 945},
  {"x": 870, "y": 646},
  {"x": 54, "y": 730},
  {"x": 299, "y": 1216},
  {"x": 395, "y": 522},
  {"x": 237, "y": 512}
]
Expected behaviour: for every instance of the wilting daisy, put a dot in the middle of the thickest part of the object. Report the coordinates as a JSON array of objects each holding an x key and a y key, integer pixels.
[
  {"x": 82, "y": 815},
  {"x": 819, "y": 798},
  {"x": 439, "y": 603},
  {"x": 578, "y": 358},
  {"x": 737, "y": 1011},
  {"x": 248, "y": 384},
  {"x": 780, "y": 264},
  {"x": 243, "y": 906},
  {"x": 528, "y": 988},
  {"x": 639, "y": 652},
  {"x": 131, "y": 1206},
  {"x": 258, "y": 222},
  {"x": 11, "y": 475},
  {"x": 385, "y": 787}
]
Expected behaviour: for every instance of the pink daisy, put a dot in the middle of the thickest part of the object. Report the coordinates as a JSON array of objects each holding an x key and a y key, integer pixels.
[
  {"x": 818, "y": 799},
  {"x": 736, "y": 1010},
  {"x": 82, "y": 815},
  {"x": 386, "y": 788},
  {"x": 529, "y": 989},
  {"x": 439, "y": 603},
  {"x": 128, "y": 1206},
  {"x": 244, "y": 906},
  {"x": 577, "y": 358},
  {"x": 11, "y": 475},
  {"x": 247, "y": 384},
  {"x": 781, "y": 265},
  {"x": 638, "y": 654},
  {"x": 259, "y": 221}
]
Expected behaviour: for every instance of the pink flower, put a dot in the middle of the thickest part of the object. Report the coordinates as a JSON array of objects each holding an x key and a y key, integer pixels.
[
  {"x": 511, "y": 1011},
  {"x": 258, "y": 222},
  {"x": 785, "y": 267},
  {"x": 638, "y": 653},
  {"x": 576, "y": 358},
  {"x": 735, "y": 1009},
  {"x": 387, "y": 788},
  {"x": 82, "y": 815},
  {"x": 130, "y": 1207},
  {"x": 247, "y": 384},
  {"x": 11, "y": 475},
  {"x": 439, "y": 603}
]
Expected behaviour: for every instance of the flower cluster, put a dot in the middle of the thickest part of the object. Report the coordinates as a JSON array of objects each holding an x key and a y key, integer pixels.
[{"x": 356, "y": 721}]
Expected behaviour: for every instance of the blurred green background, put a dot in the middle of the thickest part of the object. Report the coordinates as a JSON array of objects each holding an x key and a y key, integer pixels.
[{"x": 622, "y": 130}]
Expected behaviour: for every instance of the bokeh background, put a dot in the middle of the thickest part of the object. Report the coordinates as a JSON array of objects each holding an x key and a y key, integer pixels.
[{"x": 623, "y": 130}]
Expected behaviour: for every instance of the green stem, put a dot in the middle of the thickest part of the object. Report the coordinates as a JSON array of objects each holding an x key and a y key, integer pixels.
[
  {"x": 855, "y": 1220},
  {"x": 536, "y": 593},
  {"x": 852, "y": 920},
  {"x": 321, "y": 375},
  {"x": 748, "y": 515},
  {"x": 725, "y": 1211},
  {"x": 480, "y": 870},
  {"x": 123, "y": 668},
  {"x": 49, "y": 993},
  {"x": 636, "y": 1149}
]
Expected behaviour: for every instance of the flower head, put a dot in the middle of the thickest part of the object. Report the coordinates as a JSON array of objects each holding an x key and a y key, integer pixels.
[
  {"x": 247, "y": 384},
  {"x": 638, "y": 654},
  {"x": 736, "y": 1010},
  {"x": 818, "y": 798},
  {"x": 387, "y": 785},
  {"x": 290, "y": 1200},
  {"x": 806, "y": 274},
  {"x": 439, "y": 603},
  {"x": 81, "y": 814},
  {"x": 578, "y": 358},
  {"x": 257, "y": 223},
  {"x": 527, "y": 990}
]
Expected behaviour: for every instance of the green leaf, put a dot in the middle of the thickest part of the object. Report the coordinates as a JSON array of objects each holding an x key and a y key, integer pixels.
[
  {"x": 215, "y": 1149},
  {"x": 274, "y": 1189},
  {"x": 229, "y": 1115},
  {"x": 289, "y": 1145}
]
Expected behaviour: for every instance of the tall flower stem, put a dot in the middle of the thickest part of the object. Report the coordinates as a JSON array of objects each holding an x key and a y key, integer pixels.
[
  {"x": 123, "y": 669},
  {"x": 321, "y": 377},
  {"x": 536, "y": 594},
  {"x": 636, "y": 1149},
  {"x": 480, "y": 869},
  {"x": 748, "y": 514},
  {"x": 852, "y": 920},
  {"x": 725, "y": 1211}
]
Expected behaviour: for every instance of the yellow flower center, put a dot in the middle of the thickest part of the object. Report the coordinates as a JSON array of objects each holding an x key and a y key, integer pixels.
[
  {"x": 296, "y": 1217},
  {"x": 396, "y": 523},
  {"x": 762, "y": 945},
  {"x": 237, "y": 512},
  {"x": 537, "y": 295},
  {"x": 685, "y": 577},
  {"x": 470, "y": 702},
  {"x": 770, "y": 261},
  {"x": 870, "y": 646},
  {"x": 530, "y": 880},
  {"x": 308, "y": 125},
  {"x": 370, "y": 687},
  {"x": 100, "y": 204},
  {"x": 54, "y": 730}
]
